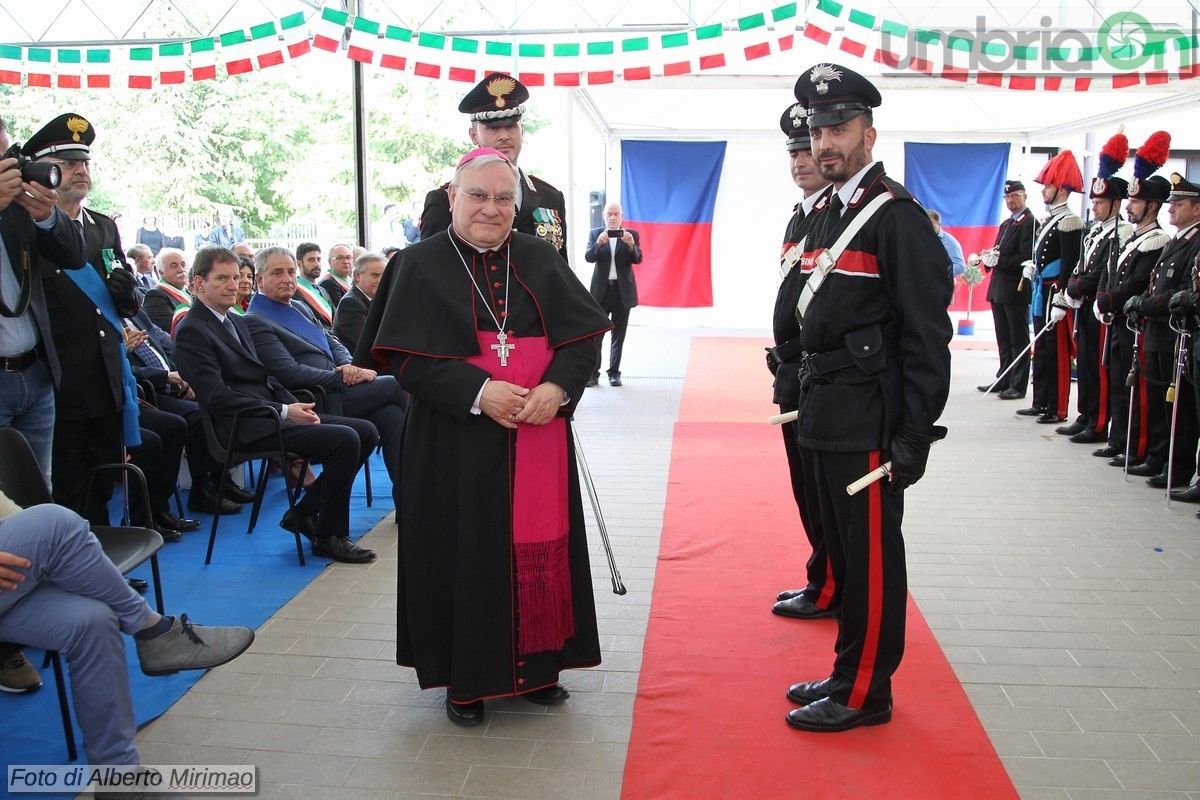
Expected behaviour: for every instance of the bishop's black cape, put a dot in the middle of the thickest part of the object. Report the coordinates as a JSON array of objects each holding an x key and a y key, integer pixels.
[{"x": 457, "y": 611}]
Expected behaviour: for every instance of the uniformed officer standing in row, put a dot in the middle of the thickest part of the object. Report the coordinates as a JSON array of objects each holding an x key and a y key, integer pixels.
[
  {"x": 1009, "y": 294},
  {"x": 1128, "y": 277},
  {"x": 1056, "y": 250},
  {"x": 876, "y": 337},
  {"x": 1100, "y": 247},
  {"x": 495, "y": 108},
  {"x": 1172, "y": 273},
  {"x": 1183, "y": 308},
  {"x": 819, "y": 596}
]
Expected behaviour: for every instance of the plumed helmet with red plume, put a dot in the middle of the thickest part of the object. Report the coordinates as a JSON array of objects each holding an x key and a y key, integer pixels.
[
  {"x": 1151, "y": 156},
  {"x": 1061, "y": 171},
  {"x": 1113, "y": 155}
]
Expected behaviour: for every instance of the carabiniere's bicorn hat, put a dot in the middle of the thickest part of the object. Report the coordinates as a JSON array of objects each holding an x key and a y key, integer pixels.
[
  {"x": 495, "y": 101},
  {"x": 68, "y": 137},
  {"x": 1182, "y": 188},
  {"x": 834, "y": 94},
  {"x": 794, "y": 124}
]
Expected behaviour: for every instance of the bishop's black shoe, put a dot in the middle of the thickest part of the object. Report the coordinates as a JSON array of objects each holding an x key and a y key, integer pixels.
[
  {"x": 828, "y": 716},
  {"x": 464, "y": 714},
  {"x": 800, "y": 607},
  {"x": 548, "y": 695},
  {"x": 1032, "y": 411},
  {"x": 1107, "y": 452}
]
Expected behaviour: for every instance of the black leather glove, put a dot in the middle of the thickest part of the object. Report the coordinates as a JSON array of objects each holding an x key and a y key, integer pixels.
[
  {"x": 1133, "y": 307},
  {"x": 123, "y": 288},
  {"x": 772, "y": 360},
  {"x": 1182, "y": 303},
  {"x": 910, "y": 454}
]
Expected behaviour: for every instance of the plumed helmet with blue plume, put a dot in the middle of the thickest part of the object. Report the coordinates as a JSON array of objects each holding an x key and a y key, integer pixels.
[
  {"x": 1113, "y": 154},
  {"x": 1151, "y": 156}
]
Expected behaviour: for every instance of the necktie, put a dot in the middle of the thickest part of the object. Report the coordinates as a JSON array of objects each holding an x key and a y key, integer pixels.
[
  {"x": 833, "y": 215},
  {"x": 228, "y": 325},
  {"x": 146, "y": 353}
]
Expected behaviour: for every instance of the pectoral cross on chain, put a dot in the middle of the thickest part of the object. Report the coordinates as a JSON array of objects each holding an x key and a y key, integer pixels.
[{"x": 502, "y": 348}]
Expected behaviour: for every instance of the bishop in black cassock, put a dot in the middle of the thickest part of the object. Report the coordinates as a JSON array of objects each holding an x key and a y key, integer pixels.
[{"x": 485, "y": 609}]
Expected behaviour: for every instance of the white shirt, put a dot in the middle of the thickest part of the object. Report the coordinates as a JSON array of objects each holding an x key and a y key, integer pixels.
[
  {"x": 612, "y": 261},
  {"x": 850, "y": 187}
]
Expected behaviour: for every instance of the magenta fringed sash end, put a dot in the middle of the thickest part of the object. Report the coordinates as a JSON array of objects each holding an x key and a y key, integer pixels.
[{"x": 540, "y": 516}]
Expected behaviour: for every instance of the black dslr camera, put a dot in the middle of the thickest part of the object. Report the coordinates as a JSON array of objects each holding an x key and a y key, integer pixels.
[{"x": 48, "y": 175}]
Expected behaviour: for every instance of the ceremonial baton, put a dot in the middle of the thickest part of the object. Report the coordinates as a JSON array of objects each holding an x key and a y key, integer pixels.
[
  {"x": 618, "y": 587},
  {"x": 1172, "y": 396},
  {"x": 884, "y": 470},
  {"x": 783, "y": 419}
]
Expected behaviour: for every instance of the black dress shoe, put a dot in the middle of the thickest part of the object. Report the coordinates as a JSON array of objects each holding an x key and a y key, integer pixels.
[
  {"x": 826, "y": 716},
  {"x": 168, "y": 520},
  {"x": 995, "y": 389},
  {"x": 548, "y": 695},
  {"x": 1049, "y": 418},
  {"x": 1159, "y": 481},
  {"x": 300, "y": 523},
  {"x": 1148, "y": 468},
  {"x": 809, "y": 692},
  {"x": 1107, "y": 452},
  {"x": 800, "y": 607},
  {"x": 614, "y": 380},
  {"x": 168, "y": 534},
  {"x": 138, "y": 585},
  {"x": 592, "y": 381},
  {"x": 1012, "y": 394},
  {"x": 343, "y": 550},
  {"x": 1088, "y": 437},
  {"x": 1072, "y": 429},
  {"x": 1188, "y": 495},
  {"x": 1032, "y": 411},
  {"x": 237, "y": 494},
  {"x": 788, "y": 594},
  {"x": 1118, "y": 461},
  {"x": 204, "y": 500},
  {"x": 464, "y": 714}
]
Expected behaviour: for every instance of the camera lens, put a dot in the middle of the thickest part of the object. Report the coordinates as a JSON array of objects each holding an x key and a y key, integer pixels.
[{"x": 49, "y": 175}]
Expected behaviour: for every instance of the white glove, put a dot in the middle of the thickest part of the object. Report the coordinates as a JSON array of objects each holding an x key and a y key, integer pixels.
[
  {"x": 1029, "y": 269},
  {"x": 1096, "y": 310},
  {"x": 974, "y": 260},
  {"x": 1071, "y": 301},
  {"x": 990, "y": 258},
  {"x": 1057, "y": 315}
]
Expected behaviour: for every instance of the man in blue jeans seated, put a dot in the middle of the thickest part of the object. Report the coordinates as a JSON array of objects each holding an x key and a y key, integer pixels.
[{"x": 58, "y": 591}]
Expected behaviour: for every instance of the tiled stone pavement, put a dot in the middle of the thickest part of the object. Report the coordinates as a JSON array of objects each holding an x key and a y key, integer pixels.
[{"x": 1036, "y": 566}]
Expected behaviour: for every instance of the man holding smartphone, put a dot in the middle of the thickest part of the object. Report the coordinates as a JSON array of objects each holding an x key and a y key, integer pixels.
[{"x": 614, "y": 250}]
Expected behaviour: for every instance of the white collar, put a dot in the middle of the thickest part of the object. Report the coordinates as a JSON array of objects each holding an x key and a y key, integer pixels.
[
  {"x": 807, "y": 203},
  {"x": 1180, "y": 233},
  {"x": 850, "y": 187}
]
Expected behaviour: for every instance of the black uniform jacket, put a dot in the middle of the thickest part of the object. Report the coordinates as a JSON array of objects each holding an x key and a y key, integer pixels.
[
  {"x": 349, "y": 318},
  {"x": 543, "y": 212},
  {"x": 1100, "y": 250},
  {"x": 1131, "y": 274},
  {"x": 1014, "y": 243},
  {"x": 784, "y": 323},
  {"x": 1058, "y": 238},
  {"x": 601, "y": 256},
  {"x": 876, "y": 333},
  {"x": 226, "y": 377},
  {"x": 42, "y": 249},
  {"x": 89, "y": 350},
  {"x": 1172, "y": 273}
]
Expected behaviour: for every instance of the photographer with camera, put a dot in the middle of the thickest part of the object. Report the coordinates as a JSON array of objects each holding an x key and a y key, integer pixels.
[{"x": 614, "y": 250}]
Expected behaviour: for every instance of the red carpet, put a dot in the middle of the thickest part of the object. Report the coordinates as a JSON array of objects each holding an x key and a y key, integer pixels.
[{"x": 709, "y": 716}]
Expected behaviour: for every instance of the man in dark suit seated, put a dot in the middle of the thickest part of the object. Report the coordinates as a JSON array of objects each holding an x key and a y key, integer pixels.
[
  {"x": 170, "y": 299},
  {"x": 216, "y": 355},
  {"x": 152, "y": 358},
  {"x": 297, "y": 351},
  {"x": 614, "y": 250},
  {"x": 352, "y": 311},
  {"x": 336, "y": 281}
]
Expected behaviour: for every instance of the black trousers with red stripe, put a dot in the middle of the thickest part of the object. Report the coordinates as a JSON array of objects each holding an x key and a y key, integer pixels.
[
  {"x": 1160, "y": 368},
  {"x": 822, "y": 589},
  {"x": 1090, "y": 371},
  {"x": 1052, "y": 366},
  {"x": 1120, "y": 359},
  {"x": 866, "y": 548}
]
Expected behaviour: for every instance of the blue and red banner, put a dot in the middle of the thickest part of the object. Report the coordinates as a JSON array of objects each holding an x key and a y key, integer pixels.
[
  {"x": 965, "y": 184},
  {"x": 668, "y": 192}
]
